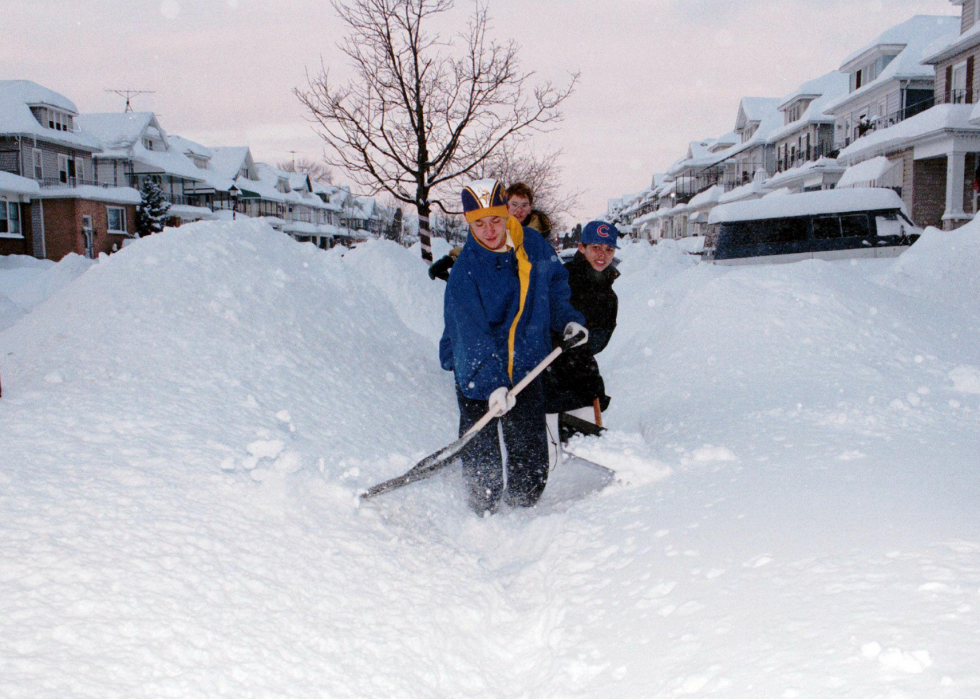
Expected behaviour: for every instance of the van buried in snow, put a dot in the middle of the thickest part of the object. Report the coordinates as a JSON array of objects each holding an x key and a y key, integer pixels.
[{"x": 828, "y": 225}]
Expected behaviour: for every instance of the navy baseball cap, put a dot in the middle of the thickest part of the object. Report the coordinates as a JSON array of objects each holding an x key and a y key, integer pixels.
[{"x": 600, "y": 233}]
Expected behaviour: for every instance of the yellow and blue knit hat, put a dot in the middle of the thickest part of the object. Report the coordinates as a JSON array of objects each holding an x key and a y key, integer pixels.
[{"x": 484, "y": 198}]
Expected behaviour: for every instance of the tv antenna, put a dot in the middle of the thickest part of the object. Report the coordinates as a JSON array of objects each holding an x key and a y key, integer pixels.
[
  {"x": 129, "y": 95},
  {"x": 294, "y": 152}
]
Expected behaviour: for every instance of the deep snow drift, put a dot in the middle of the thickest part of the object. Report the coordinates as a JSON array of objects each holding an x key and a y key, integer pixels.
[{"x": 186, "y": 425}]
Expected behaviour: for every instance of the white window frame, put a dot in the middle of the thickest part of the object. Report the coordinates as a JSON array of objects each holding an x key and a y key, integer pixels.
[
  {"x": 122, "y": 214},
  {"x": 976, "y": 11},
  {"x": 37, "y": 162},
  {"x": 79, "y": 171},
  {"x": 13, "y": 224},
  {"x": 959, "y": 75},
  {"x": 63, "y": 168}
]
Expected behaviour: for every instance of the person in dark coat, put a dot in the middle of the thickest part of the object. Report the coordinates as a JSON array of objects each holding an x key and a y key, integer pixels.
[
  {"x": 573, "y": 381},
  {"x": 507, "y": 293},
  {"x": 520, "y": 205}
]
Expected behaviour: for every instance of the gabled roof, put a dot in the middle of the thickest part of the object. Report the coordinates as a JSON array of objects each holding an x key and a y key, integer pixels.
[
  {"x": 823, "y": 91},
  {"x": 227, "y": 161},
  {"x": 121, "y": 136},
  {"x": 189, "y": 147},
  {"x": 16, "y": 118},
  {"x": 116, "y": 131},
  {"x": 915, "y": 39},
  {"x": 752, "y": 110}
]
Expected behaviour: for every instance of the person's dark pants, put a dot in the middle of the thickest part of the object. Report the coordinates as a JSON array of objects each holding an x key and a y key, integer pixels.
[{"x": 526, "y": 441}]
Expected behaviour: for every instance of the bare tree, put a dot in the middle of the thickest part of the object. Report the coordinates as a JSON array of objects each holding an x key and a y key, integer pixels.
[
  {"x": 542, "y": 173},
  {"x": 317, "y": 171},
  {"x": 415, "y": 117}
]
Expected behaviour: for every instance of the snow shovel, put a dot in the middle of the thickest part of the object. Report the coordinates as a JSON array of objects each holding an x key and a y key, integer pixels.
[{"x": 434, "y": 463}]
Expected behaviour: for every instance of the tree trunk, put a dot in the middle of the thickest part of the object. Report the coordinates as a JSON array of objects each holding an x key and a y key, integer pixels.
[{"x": 425, "y": 237}]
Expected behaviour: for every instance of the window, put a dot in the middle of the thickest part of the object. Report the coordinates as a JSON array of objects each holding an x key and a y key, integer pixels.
[
  {"x": 38, "y": 157},
  {"x": 786, "y": 230},
  {"x": 855, "y": 226},
  {"x": 117, "y": 219},
  {"x": 958, "y": 88},
  {"x": 66, "y": 169},
  {"x": 826, "y": 227},
  {"x": 9, "y": 219},
  {"x": 148, "y": 144},
  {"x": 59, "y": 121}
]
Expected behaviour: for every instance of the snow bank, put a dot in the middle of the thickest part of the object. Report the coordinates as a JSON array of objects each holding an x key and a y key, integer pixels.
[
  {"x": 185, "y": 426},
  {"x": 942, "y": 266},
  {"x": 25, "y": 282}
]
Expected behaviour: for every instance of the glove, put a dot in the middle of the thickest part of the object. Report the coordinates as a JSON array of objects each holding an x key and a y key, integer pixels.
[
  {"x": 573, "y": 329},
  {"x": 501, "y": 400}
]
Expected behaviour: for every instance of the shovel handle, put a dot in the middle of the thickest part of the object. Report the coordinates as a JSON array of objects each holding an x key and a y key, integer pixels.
[{"x": 531, "y": 376}]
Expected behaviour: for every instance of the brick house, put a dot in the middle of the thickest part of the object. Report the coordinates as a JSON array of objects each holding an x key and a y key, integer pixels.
[{"x": 40, "y": 142}]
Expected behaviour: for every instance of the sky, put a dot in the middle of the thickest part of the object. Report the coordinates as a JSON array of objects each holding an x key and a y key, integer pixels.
[{"x": 654, "y": 74}]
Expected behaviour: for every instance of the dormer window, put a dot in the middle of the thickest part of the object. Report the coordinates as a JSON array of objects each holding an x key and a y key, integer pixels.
[
  {"x": 148, "y": 144},
  {"x": 59, "y": 121}
]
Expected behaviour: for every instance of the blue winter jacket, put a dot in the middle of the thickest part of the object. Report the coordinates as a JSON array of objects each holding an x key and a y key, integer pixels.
[{"x": 482, "y": 302}]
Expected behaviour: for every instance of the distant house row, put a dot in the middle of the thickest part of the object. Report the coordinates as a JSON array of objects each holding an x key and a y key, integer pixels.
[
  {"x": 899, "y": 113},
  {"x": 69, "y": 181}
]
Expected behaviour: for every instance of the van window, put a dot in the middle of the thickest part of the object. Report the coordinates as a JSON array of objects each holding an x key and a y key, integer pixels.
[
  {"x": 889, "y": 225},
  {"x": 826, "y": 227},
  {"x": 855, "y": 226},
  {"x": 786, "y": 230}
]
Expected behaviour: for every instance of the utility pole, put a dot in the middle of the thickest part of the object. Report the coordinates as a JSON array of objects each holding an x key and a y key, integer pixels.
[{"x": 129, "y": 94}]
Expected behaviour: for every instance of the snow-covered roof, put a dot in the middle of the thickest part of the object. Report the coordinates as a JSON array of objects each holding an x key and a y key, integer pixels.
[
  {"x": 967, "y": 40},
  {"x": 914, "y": 39},
  {"x": 189, "y": 147},
  {"x": 942, "y": 117},
  {"x": 810, "y": 167},
  {"x": 708, "y": 197},
  {"x": 823, "y": 90},
  {"x": 227, "y": 161},
  {"x": 751, "y": 190},
  {"x": 808, "y": 204},
  {"x": 115, "y": 131},
  {"x": 259, "y": 189},
  {"x": 865, "y": 174},
  {"x": 15, "y": 184},
  {"x": 189, "y": 213},
  {"x": 121, "y": 137},
  {"x": 757, "y": 108},
  {"x": 16, "y": 99},
  {"x": 300, "y": 227},
  {"x": 110, "y": 195}
]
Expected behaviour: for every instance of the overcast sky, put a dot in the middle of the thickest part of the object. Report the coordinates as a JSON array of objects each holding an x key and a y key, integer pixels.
[{"x": 655, "y": 74}]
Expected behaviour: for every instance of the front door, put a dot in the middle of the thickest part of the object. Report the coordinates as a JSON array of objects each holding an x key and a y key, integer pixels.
[{"x": 88, "y": 237}]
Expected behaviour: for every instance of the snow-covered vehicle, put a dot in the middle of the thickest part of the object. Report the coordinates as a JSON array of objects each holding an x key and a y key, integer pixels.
[{"x": 827, "y": 225}]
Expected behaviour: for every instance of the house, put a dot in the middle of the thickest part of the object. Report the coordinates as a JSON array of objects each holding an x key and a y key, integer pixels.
[
  {"x": 805, "y": 151},
  {"x": 930, "y": 158},
  {"x": 135, "y": 149},
  {"x": 40, "y": 141},
  {"x": 16, "y": 194},
  {"x": 888, "y": 80}
]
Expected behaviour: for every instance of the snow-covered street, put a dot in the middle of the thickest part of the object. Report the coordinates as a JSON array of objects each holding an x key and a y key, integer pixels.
[{"x": 186, "y": 425}]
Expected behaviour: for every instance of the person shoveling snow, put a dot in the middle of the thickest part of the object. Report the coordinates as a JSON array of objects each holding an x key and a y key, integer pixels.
[{"x": 508, "y": 291}]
